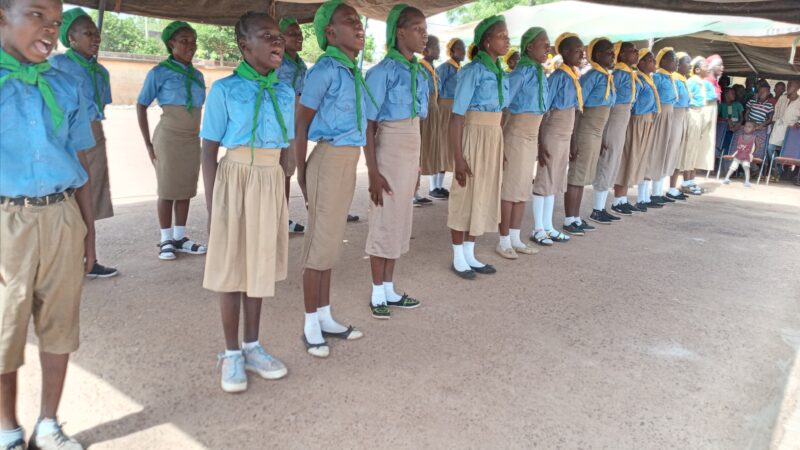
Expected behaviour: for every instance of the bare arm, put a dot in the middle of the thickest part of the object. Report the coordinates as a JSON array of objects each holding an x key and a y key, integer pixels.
[
  {"x": 573, "y": 142},
  {"x": 544, "y": 153},
  {"x": 144, "y": 127},
  {"x": 302, "y": 122},
  {"x": 83, "y": 195},
  {"x": 462, "y": 170},
  {"x": 377, "y": 183},
  {"x": 209, "y": 160}
]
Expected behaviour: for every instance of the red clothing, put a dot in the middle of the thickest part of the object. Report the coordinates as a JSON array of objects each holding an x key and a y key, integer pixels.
[
  {"x": 713, "y": 80},
  {"x": 772, "y": 100},
  {"x": 744, "y": 145}
]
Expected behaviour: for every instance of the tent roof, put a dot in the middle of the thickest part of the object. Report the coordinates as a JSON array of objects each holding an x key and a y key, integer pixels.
[
  {"x": 226, "y": 12},
  {"x": 784, "y": 10}
]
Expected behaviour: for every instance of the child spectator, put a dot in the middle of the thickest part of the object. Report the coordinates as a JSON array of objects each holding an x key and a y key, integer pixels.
[{"x": 745, "y": 144}]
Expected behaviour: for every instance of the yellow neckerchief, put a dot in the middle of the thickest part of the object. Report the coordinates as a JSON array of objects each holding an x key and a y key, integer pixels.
[
  {"x": 679, "y": 77},
  {"x": 649, "y": 81},
  {"x": 568, "y": 70},
  {"x": 428, "y": 66},
  {"x": 702, "y": 85},
  {"x": 609, "y": 77},
  {"x": 634, "y": 77},
  {"x": 669, "y": 75},
  {"x": 453, "y": 63}
]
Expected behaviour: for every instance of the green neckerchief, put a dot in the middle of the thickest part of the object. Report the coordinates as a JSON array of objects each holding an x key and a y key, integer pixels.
[
  {"x": 338, "y": 55},
  {"x": 415, "y": 67},
  {"x": 189, "y": 75},
  {"x": 299, "y": 65},
  {"x": 267, "y": 82},
  {"x": 93, "y": 68},
  {"x": 526, "y": 61},
  {"x": 495, "y": 68},
  {"x": 32, "y": 74}
]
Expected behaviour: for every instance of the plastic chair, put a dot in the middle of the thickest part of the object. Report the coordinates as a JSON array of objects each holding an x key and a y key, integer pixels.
[
  {"x": 790, "y": 153},
  {"x": 759, "y": 155}
]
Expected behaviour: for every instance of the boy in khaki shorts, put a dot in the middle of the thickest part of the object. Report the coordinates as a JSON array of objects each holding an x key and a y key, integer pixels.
[{"x": 46, "y": 217}]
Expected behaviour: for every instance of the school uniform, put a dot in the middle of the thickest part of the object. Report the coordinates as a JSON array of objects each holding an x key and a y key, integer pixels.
[
  {"x": 625, "y": 88},
  {"x": 476, "y": 206},
  {"x": 41, "y": 228},
  {"x": 662, "y": 126},
  {"x": 696, "y": 127},
  {"x": 447, "y": 77},
  {"x": 94, "y": 86},
  {"x": 248, "y": 241},
  {"x": 705, "y": 156},
  {"x": 529, "y": 95},
  {"x": 293, "y": 73},
  {"x": 397, "y": 150},
  {"x": 599, "y": 96},
  {"x": 175, "y": 139},
  {"x": 639, "y": 136},
  {"x": 330, "y": 90},
  {"x": 430, "y": 158},
  {"x": 557, "y": 130},
  {"x": 680, "y": 121}
]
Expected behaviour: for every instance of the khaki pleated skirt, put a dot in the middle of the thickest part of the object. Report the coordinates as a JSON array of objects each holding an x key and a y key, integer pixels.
[
  {"x": 97, "y": 159},
  {"x": 556, "y": 133},
  {"x": 706, "y": 152},
  {"x": 176, "y": 143},
  {"x": 248, "y": 243},
  {"x": 589, "y": 141},
  {"x": 330, "y": 183},
  {"x": 659, "y": 152},
  {"x": 446, "y": 157},
  {"x": 429, "y": 158},
  {"x": 676, "y": 140},
  {"x": 475, "y": 207},
  {"x": 635, "y": 154},
  {"x": 695, "y": 119},
  {"x": 614, "y": 139},
  {"x": 521, "y": 148},
  {"x": 397, "y": 149}
]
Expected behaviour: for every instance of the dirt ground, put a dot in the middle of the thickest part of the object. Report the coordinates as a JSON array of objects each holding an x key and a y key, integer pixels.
[{"x": 676, "y": 329}]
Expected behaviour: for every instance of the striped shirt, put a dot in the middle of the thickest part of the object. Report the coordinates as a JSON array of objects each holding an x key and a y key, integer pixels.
[{"x": 758, "y": 111}]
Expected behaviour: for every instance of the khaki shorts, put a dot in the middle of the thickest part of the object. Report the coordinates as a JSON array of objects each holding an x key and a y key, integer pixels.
[{"x": 41, "y": 275}]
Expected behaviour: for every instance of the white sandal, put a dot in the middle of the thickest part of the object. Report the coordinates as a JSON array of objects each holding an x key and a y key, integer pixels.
[{"x": 189, "y": 246}]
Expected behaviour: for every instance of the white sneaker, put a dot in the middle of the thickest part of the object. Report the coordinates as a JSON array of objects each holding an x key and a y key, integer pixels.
[
  {"x": 267, "y": 366},
  {"x": 53, "y": 441},
  {"x": 747, "y": 184},
  {"x": 233, "y": 377},
  {"x": 726, "y": 181}
]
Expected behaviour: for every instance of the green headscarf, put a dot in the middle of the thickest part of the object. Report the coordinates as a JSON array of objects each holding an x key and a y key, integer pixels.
[
  {"x": 484, "y": 26},
  {"x": 524, "y": 60},
  {"x": 32, "y": 74},
  {"x": 265, "y": 82},
  {"x": 391, "y": 25},
  {"x": 286, "y": 22},
  {"x": 321, "y": 20},
  {"x": 170, "y": 29},
  {"x": 70, "y": 16}
]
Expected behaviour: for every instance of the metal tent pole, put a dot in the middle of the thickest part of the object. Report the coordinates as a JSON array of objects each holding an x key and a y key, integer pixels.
[
  {"x": 101, "y": 12},
  {"x": 746, "y": 60},
  {"x": 361, "y": 56}
]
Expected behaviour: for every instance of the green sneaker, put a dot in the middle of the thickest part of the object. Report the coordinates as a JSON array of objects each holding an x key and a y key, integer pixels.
[
  {"x": 380, "y": 311},
  {"x": 405, "y": 302}
]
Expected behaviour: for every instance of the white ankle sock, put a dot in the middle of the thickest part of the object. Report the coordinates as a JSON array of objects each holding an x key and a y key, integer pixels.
[
  {"x": 505, "y": 242},
  {"x": 166, "y": 234},
  {"x": 538, "y": 212},
  {"x": 46, "y": 427},
  {"x": 432, "y": 182},
  {"x": 312, "y": 329},
  {"x": 232, "y": 352},
  {"x": 549, "y": 204},
  {"x": 440, "y": 181},
  {"x": 179, "y": 232},
  {"x": 515, "y": 240},
  {"x": 378, "y": 295},
  {"x": 326, "y": 321},
  {"x": 642, "y": 194},
  {"x": 569, "y": 220},
  {"x": 7, "y": 437},
  {"x": 459, "y": 262},
  {"x": 469, "y": 254},
  {"x": 673, "y": 191},
  {"x": 658, "y": 188},
  {"x": 250, "y": 345},
  {"x": 620, "y": 200},
  {"x": 599, "y": 200},
  {"x": 391, "y": 294}
]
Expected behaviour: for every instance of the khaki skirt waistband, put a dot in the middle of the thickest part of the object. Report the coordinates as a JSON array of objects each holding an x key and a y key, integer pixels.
[
  {"x": 484, "y": 118},
  {"x": 259, "y": 156},
  {"x": 402, "y": 126}
]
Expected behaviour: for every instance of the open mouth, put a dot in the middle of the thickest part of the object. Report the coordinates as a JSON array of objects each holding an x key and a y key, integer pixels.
[
  {"x": 276, "y": 55},
  {"x": 43, "y": 46},
  {"x": 360, "y": 37}
]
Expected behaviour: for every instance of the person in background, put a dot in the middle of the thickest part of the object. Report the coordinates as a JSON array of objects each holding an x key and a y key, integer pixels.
[
  {"x": 430, "y": 160},
  {"x": 511, "y": 59},
  {"x": 732, "y": 112},
  {"x": 787, "y": 114},
  {"x": 447, "y": 74},
  {"x": 749, "y": 90},
  {"x": 760, "y": 112},
  {"x": 696, "y": 127},
  {"x": 780, "y": 88},
  {"x": 80, "y": 36},
  {"x": 744, "y": 144},
  {"x": 660, "y": 155},
  {"x": 740, "y": 93},
  {"x": 680, "y": 123}
]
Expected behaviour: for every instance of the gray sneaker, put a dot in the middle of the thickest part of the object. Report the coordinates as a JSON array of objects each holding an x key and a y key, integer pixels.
[
  {"x": 233, "y": 379},
  {"x": 259, "y": 361},
  {"x": 53, "y": 441},
  {"x": 19, "y": 444}
]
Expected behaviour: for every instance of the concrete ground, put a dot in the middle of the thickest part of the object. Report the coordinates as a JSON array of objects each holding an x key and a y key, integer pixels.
[{"x": 676, "y": 329}]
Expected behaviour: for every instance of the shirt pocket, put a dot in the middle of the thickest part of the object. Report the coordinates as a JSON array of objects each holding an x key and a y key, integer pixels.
[
  {"x": 399, "y": 96},
  {"x": 344, "y": 111}
]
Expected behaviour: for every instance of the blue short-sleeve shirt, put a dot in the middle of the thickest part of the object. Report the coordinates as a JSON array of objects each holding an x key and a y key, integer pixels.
[
  {"x": 63, "y": 63},
  {"x": 35, "y": 159},
  {"x": 448, "y": 77},
  {"x": 228, "y": 117},
  {"x": 645, "y": 99},
  {"x": 291, "y": 74},
  {"x": 666, "y": 88},
  {"x": 622, "y": 85},
  {"x": 593, "y": 86},
  {"x": 330, "y": 90},
  {"x": 390, "y": 84},
  {"x": 683, "y": 94},
  {"x": 169, "y": 88},
  {"x": 476, "y": 90},
  {"x": 711, "y": 92},
  {"x": 696, "y": 89},
  {"x": 524, "y": 91},
  {"x": 563, "y": 94}
]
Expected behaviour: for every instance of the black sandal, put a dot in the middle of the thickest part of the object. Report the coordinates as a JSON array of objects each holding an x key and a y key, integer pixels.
[
  {"x": 167, "y": 250},
  {"x": 194, "y": 248},
  {"x": 346, "y": 335}
]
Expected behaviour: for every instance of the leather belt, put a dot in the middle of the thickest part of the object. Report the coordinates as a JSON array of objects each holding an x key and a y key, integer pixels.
[{"x": 38, "y": 201}]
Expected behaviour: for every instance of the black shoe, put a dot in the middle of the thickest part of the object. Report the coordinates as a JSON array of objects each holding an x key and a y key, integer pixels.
[
  {"x": 609, "y": 216},
  {"x": 574, "y": 229},
  {"x": 585, "y": 226},
  {"x": 485, "y": 270},
  {"x": 100, "y": 271},
  {"x": 380, "y": 312},
  {"x": 664, "y": 199},
  {"x": 598, "y": 216},
  {"x": 653, "y": 204},
  {"x": 623, "y": 209},
  {"x": 681, "y": 196},
  {"x": 422, "y": 201},
  {"x": 437, "y": 194},
  {"x": 659, "y": 200},
  {"x": 445, "y": 192},
  {"x": 640, "y": 206}
]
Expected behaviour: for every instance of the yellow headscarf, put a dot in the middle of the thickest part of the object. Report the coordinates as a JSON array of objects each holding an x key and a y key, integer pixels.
[
  {"x": 428, "y": 66},
  {"x": 469, "y": 51},
  {"x": 646, "y": 76},
  {"x": 508, "y": 56},
  {"x": 617, "y": 49},
  {"x": 569, "y": 70},
  {"x": 677, "y": 75},
  {"x": 661, "y": 53},
  {"x": 452, "y": 61},
  {"x": 625, "y": 68},
  {"x": 599, "y": 68}
]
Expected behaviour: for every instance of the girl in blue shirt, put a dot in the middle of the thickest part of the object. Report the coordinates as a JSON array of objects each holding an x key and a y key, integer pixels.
[
  {"x": 556, "y": 141},
  {"x": 477, "y": 140},
  {"x": 400, "y": 87},
  {"x": 528, "y": 96},
  {"x": 447, "y": 77},
  {"x": 250, "y": 113},
  {"x": 681, "y": 122},
  {"x": 80, "y": 36},
  {"x": 662, "y": 128},
  {"x": 431, "y": 161},
  {"x": 175, "y": 148},
  {"x": 696, "y": 126}
]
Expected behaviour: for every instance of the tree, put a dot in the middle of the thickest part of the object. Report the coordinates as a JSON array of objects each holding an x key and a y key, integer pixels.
[
  {"x": 485, "y": 8},
  {"x": 311, "y": 51},
  {"x": 217, "y": 42},
  {"x": 369, "y": 49}
]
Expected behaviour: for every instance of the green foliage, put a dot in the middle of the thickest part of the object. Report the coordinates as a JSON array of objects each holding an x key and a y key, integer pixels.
[
  {"x": 485, "y": 8},
  {"x": 217, "y": 42},
  {"x": 311, "y": 51},
  {"x": 369, "y": 48}
]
